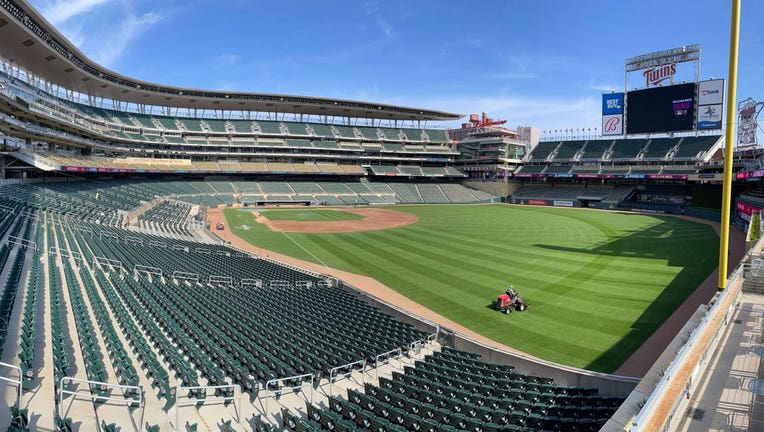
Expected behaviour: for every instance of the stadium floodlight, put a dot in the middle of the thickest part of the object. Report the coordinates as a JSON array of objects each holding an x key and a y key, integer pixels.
[{"x": 680, "y": 54}]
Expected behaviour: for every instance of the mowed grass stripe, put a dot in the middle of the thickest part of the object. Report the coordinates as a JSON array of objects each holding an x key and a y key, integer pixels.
[
  {"x": 600, "y": 282},
  {"x": 473, "y": 273},
  {"x": 521, "y": 262}
]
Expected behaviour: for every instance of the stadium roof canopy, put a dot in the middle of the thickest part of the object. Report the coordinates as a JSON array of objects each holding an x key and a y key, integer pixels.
[{"x": 32, "y": 44}]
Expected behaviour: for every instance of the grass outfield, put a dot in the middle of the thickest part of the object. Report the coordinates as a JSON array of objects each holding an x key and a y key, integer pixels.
[
  {"x": 304, "y": 215},
  {"x": 600, "y": 283}
]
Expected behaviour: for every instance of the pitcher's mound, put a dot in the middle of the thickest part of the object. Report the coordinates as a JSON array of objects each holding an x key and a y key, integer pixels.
[{"x": 373, "y": 219}]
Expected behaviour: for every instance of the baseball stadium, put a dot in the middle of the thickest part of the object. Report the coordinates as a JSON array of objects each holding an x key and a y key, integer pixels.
[{"x": 184, "y": 259}]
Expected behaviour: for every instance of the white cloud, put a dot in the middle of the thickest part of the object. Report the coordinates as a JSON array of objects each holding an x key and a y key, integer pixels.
[
  {"x": 111, "y": 48},
  {"x": 60, "y": 11},
  {"x": 227, "y": 59},
  {"x": 385, "y": 26},
  {"x": 605, "y": 88},
  {"x": 370, "y": 7},
  {"x": 511, "y": 75},
  {"x": 103, "y": 29},
  {"x": 73, "y": 33}
]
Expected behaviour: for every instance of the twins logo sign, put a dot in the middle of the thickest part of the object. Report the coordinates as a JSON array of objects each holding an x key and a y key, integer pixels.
[
  {"x": 612, "y": 124},
  {"x": 657, "y": 74}
]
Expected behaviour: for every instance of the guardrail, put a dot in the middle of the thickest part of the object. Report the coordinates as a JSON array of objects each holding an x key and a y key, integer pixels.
[
  {"x": 346, "y": 371},
  {"x": 103, "y": 386},
  {"x": 720, "y": 312},
  {"x": 385, "y": 357},
  {"x": 223, "y": 393},
  {"x": 277, "y": 382},
  {"x": 13, "y": 380}
]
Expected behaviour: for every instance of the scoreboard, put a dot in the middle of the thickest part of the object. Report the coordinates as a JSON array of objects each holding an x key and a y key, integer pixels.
[{"x": 661, "y": 109}]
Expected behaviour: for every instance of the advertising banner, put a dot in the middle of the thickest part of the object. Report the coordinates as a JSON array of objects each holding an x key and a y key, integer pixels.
[
  {"x": 668, "y": 176},
  {"x": 745, "y": 210},
  {"x": 537, "y": 202},
  {"x": 612, "y": 124},
  {"x": 710, "y": 104},
  {"x": 710, "y": 117},
  {"x": 711, "y": 92},
  {"x": 560, "y": 203},
  {"x": 612, "y": 103}
]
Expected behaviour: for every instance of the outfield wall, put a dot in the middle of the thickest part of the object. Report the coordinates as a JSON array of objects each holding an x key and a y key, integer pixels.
[
  {"x": 607, "y": 384},
  {"x": 497, "y": 188}
]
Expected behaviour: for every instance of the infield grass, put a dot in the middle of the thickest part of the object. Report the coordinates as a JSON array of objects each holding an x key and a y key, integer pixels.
[
  {"x": 305, "y": 215},
  {"x": 600, "y": 283}
]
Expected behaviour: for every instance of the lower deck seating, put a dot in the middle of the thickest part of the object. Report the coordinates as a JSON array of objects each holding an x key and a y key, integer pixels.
[
  {"x": 132, "y": 308},
  {"x": 456, "y": 391}
]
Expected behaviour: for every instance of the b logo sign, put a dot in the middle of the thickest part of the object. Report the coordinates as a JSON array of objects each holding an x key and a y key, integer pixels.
[{"x": 612, "y": 124}]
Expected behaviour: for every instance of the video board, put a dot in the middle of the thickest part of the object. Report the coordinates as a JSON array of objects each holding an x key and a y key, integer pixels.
[{"x": 661, "y": 109}]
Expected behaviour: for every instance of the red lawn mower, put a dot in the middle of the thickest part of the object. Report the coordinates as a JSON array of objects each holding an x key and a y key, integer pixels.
[{"x": 510, "y": 301}]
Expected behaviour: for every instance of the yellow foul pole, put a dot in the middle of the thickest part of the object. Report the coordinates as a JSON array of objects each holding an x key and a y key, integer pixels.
[{"x": 728, "y": 144}]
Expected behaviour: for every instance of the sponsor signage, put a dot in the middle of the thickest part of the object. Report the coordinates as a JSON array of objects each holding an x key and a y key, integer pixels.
[
  {"x": 537, "y": 202},
  {"x": 745, "y": 210},
  {"x": 587, "y": 175},
  {"x": 612, "y": 124},
  {"x": 648, "y": 211},
  {"x": 668, "y": 176},
  {"x": 612, "y": 103},
  {"x": 705, "y": 176},
  {"x": 710, "y": 104},
  {"x": 563, "y": 203},
  {"x": 711, "y": 92},
  {"x": 749, "y": 175},
  {"x": 710, "y": 117}
]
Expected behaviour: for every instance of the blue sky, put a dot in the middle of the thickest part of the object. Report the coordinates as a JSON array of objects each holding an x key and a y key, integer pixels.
[{"x": 542, "y": 63}]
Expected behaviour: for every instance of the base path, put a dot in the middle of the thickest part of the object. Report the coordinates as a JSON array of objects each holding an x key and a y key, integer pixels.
[
  {"x": 373, "y": 219},
  {"x": 371, "y": 286},
  {"x": 636, "y": 365}
]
